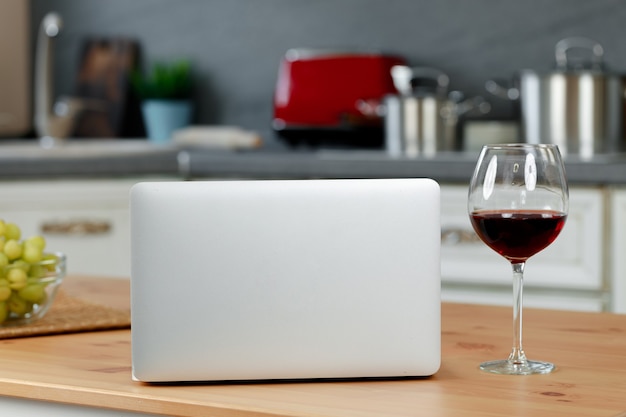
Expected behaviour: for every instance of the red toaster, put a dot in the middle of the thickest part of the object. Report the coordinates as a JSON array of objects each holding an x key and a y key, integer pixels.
[{"x": 323, "y": 96}]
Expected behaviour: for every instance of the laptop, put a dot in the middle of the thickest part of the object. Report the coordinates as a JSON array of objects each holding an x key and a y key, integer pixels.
[{"x": 285, "y": 279}]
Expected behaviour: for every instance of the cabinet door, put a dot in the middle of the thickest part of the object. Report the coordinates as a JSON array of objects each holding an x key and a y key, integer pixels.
[
  {"x": 572, "y": 262},
  {"x": 87, "y": 220},
  {"x": 618, "y": 250}
]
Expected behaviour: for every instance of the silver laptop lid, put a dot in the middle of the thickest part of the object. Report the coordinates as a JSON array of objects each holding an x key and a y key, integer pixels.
[{"x": 243, "y": 280}]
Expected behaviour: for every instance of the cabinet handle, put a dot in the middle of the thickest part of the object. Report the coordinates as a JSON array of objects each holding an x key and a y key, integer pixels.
[
  {"x": 76, "y": 227},
  {"x": 458, "y": 236}
]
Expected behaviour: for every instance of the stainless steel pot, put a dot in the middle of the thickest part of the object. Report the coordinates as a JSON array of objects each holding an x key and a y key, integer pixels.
[
  {"x": 578, "y": 106},
  {"x": 422, "y": 118}
]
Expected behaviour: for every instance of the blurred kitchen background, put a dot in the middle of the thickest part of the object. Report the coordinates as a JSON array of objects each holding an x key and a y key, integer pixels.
[
  {"x": 235, "y": 46},
  {"x": 76, "y": 192}
]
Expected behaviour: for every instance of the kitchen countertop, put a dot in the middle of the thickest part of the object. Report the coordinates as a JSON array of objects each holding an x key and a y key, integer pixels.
[
  {"x": 93, "y": 370},
  {"x": 89, "y": 158},
  {"x": 452, "y": 167},
  {"x": 110, "y": 158}
]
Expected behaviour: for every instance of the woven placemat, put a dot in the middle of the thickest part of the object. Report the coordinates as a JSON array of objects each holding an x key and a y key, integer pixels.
[{"x": 70, "y": 315}]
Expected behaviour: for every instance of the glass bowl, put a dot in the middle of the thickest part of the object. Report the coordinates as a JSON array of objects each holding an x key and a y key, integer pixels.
[{"x": 27, "y": 297}]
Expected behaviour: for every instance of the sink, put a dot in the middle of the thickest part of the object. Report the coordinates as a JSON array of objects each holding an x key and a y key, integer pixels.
[{"x": 81, "y": 148}]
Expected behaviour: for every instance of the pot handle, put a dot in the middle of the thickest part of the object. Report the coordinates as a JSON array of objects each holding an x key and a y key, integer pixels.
[
  {"x": 403, "y": 77},
  {"x": 497, "y": 89},
  {"x": 564, "y": 45},
  {"x": 458, "y": 108}
]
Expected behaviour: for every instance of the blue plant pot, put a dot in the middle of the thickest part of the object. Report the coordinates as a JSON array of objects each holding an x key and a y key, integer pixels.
[{"x": 163, "y": 117}]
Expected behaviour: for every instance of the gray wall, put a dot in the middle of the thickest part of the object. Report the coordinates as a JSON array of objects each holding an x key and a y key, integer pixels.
[{"x": 236, "y": 45}]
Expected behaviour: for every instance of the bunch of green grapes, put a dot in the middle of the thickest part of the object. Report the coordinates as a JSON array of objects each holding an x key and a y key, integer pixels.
[{"x": 23, "y": 267}]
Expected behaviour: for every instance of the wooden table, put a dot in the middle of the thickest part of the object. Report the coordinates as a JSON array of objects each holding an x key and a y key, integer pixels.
[{"x": 93, "y": 369}]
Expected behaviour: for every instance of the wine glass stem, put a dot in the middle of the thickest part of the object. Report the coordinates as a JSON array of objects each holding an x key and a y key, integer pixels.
[{"x": 517, "y": 355}]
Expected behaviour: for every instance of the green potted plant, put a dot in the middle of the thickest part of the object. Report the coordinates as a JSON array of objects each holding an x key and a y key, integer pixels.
[{"x": 165, "y": 93}]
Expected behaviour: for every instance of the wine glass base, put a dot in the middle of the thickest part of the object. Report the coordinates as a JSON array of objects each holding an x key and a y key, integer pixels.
[{"x": 508, "y": 367}]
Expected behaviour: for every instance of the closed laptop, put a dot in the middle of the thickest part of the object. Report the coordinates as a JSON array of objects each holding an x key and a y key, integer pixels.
[{"x": 285, "y": 279}]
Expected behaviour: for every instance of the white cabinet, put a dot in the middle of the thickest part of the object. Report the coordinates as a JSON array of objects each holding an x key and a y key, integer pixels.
[
  {"x": 584, "y": 269},
  {"x": 86, "y": 219},
  {"x": 617, "y": 252},
  {"x": 569, "y": 274}
]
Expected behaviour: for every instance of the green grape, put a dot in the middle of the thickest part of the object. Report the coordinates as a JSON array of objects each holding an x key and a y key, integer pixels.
[
  {"x": 51, "y": 261},
  {"x": 4, "y": 260},
  {"x": 17, "y": 278},
  {"x": 5, "y": 291},
  {"x": 20, "y": 264},
  {"x": 34, "y": 293},
  {"x": 32, "y": 253},
  {"x": 18, "y": 305},
  {"x": 37, "y": 271},
  {"x": 3, "y": 227},
  {"x": 12, "y": 249},
  {"x": 12, "y": 231},
  {"x": 37, "y": 240}
]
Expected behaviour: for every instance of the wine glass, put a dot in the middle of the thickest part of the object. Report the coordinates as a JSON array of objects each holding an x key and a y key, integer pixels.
[{"x": 518, "y": 201}]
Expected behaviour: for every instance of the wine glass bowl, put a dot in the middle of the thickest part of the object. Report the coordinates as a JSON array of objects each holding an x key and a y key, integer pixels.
[{"x": 518, "y": 203}]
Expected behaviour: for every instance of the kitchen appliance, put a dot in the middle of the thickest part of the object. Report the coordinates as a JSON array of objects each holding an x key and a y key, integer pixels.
[
  {"x": 422, "y": 119},
  {"x": 319, "y": 95},
  {"x": 579, "y": 105},
  {"x": 285, "y": 279}
]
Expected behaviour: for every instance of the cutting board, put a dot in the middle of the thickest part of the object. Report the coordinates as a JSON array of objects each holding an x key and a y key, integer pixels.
[{"x": 103, "y": 79}]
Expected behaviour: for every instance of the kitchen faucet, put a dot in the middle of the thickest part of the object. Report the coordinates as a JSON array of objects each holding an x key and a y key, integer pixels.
[{"x": 59, "y": 121}]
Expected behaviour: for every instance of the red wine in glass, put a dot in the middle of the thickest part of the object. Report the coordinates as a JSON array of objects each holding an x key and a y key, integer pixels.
[{"x": 517, "y": 235}]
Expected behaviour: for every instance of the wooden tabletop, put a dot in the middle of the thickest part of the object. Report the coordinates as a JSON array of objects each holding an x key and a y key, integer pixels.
[{"x": 589, "y": 349}]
